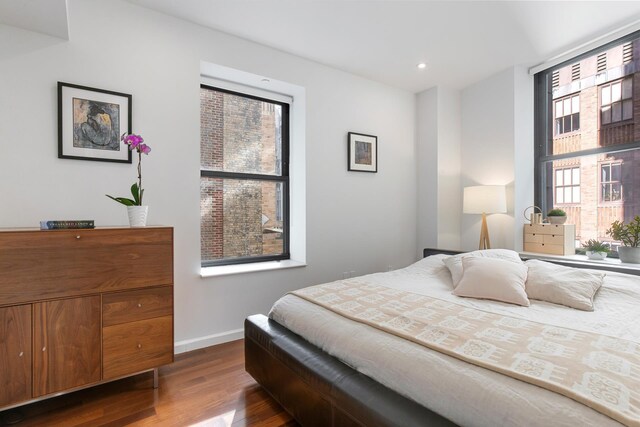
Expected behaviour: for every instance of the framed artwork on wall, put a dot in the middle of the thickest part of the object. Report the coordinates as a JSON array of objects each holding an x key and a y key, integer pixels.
[
  {"x": 90, "y": 122},
  {"x": 362, "y": 152}
]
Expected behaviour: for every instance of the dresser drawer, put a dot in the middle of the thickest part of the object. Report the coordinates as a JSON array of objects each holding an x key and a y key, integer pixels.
[
  {"x": 543, "y": 248},
  {"x": 130, "y": 306},
  {"x": 553, "y": 239},
  {"x": 544, "y": 229},
  {"x": 533, "y": 238},
  {"x": 136, "y": 346},
  {"x": 36, "y": 265}
]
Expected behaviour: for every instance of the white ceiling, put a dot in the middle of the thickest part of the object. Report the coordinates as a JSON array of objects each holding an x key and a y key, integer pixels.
[{"x": 43, "y": 16}]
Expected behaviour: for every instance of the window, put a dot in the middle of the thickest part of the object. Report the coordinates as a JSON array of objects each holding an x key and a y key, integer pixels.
[
  {"x": 567, "y": 184},
  {"x": 244, "y": 178},
  {"x": 611, "y": 182},
  {"x": 616, "y": 101},
  {"x": 587, "y": 139},
  {"x": 567, "y": 114}
]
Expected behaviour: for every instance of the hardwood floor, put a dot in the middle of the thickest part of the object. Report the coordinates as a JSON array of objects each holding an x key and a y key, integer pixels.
[{"x": 206, "y": 387}]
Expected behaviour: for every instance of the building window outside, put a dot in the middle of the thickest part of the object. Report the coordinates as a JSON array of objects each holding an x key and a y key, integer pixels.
[
  {"x": 567, "y": 185},
  {"x": 587, "y": 152},
  {"x": 567, "y": 114},
  {"x": 244, "y": 178},
  {"x": 611, "y": 182},
  {"x": 616, "y": 101}
]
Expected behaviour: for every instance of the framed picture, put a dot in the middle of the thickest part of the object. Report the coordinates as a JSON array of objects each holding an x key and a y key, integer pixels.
[
  {"x": 90, "y": 122},
  {"x": 363, "y": 152}
]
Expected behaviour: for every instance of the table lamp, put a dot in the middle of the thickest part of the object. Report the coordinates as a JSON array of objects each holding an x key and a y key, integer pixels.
[{"x": 484, "y": 199}]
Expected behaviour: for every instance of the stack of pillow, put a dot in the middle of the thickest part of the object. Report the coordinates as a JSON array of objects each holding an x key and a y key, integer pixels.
[{"x": 500, "y": 275}]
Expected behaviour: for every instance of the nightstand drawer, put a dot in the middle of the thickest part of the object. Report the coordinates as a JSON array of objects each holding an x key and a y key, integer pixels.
[
  {"x": 137, "y": 346},
  {"x": 553, "y": 239},
  {"x": 130, "y": 306},
  {"x": 533, "y": 238}
]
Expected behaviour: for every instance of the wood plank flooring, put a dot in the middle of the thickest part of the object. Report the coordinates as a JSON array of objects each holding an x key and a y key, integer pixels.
[{"x": 207, "y": 387}]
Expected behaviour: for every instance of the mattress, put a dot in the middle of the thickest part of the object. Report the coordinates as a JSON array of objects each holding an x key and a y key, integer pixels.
[{"x": 464, "y": 393}]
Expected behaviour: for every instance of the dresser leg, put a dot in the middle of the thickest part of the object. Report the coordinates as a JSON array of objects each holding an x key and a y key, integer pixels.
[{"x": 155, "y": 378}]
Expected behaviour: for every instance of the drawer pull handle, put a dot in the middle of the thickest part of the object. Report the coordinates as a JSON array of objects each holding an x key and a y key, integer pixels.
[
  {"x": 139, "y": 305},
  {"x": 21, "y": 354},
  {"x": 44, "y": 349},
  {"x": 78, "y": 237},
  {"x": 139, "y": 345}
]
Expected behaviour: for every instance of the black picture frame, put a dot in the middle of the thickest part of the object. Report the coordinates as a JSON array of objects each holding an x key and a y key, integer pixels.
[
  {"x": 362, "y": 152},
  {"x": 90, "y": 123}
]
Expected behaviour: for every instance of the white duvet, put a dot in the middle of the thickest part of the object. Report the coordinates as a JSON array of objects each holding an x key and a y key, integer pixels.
[{"x": 466, "y": 394}]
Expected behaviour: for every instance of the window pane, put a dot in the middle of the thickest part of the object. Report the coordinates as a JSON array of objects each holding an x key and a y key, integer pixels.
[
  {"x": 575, "y": 176},
  {"x": 626, "y": 89},
  {"x": 606, "y": 173},
  {"x": 576, "y": 194},
  {"x": 238, "y": 218},
  {"x": 616, "y": 194},
  {"x": 575, "y": 118},
  {"x": 616, "y": 114},
  {"x": 567, "y": 123},
  {"x": 559, "y": 176},
  {"x": 616, "y": 92},
  {"x": 567, "y": 106},
  {"x": 558, "y": 109},
  {"x": 567, "y": 194},
  {"x": 606, "y": 193},
  {"x": 575, "y": 104},
  {"x": 239, "y": 134},
  {"x": 606, "y": 115},
  {"x": 560, "y": 195},
  {"x": 558, "y": 126},
  {"x": 627, "y": 109},
  {"x": 567, "y": 177},
  {"x": 616, "y": 172},
  {"x": 606, "y": 95}
]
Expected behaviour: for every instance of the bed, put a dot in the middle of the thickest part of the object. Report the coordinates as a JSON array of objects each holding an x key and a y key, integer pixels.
[{"x": 346, "y": 373}]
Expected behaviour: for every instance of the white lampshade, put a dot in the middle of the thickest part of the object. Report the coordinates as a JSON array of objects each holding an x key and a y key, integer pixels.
[{"x": 484, "y": 199}]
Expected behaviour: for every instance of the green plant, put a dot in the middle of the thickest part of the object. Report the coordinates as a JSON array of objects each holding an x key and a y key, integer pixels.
[
  {"x": 594, "y": 245},
  {"x": 628, "y": 234},
  {"x": 556, "y": 212}
]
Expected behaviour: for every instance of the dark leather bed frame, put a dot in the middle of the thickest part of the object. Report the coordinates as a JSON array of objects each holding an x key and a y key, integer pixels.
[{"x": 319, "y": 390}]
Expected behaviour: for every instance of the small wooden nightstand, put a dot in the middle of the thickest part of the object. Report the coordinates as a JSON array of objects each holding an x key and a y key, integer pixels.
[{"x": 550, "y": 239}]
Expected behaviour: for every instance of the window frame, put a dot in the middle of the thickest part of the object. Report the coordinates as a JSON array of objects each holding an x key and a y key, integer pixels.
[
  {"x": 283, "y": 178},
  {"x": 610, "y": 183},
  {"x": 564, "y": 185},
  {"x": 544, "y": 126},
  {"x": 611, "y": 104},
  {"x": 571, "y": 115}
]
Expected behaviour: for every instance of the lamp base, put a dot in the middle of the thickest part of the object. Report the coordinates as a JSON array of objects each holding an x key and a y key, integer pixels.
[{"x": 485, "y": 243}]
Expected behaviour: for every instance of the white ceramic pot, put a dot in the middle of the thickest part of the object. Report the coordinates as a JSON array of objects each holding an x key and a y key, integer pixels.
[
  {"x": 137, "y": 215},
  {"x": 596, "y": 255},
  {"x": 557, "y": 219},
  {"x": 629, "y": 254}
]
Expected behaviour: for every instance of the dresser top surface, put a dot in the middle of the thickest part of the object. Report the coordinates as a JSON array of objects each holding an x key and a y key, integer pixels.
[{"x": 32, "y": 229}]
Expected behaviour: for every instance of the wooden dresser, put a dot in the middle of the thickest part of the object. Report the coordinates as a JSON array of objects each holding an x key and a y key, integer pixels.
[
  {"x": 553, "y": 239},
  {"x": 81, "y": 307}
]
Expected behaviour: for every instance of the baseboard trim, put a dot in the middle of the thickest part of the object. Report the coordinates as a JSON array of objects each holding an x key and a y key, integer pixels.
[{"x": 207, "y": 341}]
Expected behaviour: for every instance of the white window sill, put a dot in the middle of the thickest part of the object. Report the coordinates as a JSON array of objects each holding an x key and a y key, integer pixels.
[
  {"x": 226, "y": 270},
  {"x": 583, "y": 260}
]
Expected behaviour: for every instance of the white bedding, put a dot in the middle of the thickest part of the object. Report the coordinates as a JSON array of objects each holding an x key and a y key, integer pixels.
[{"x": 464, "y": 393}]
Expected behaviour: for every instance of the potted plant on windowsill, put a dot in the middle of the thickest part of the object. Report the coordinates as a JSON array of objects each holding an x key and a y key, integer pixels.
[
  {"x": 629, "y": 235},
  {"x": 557, "y": 216},
  {"x": 596, "y": 250}
]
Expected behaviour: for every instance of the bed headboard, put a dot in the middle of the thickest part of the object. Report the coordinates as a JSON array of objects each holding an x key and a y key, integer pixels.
[{"x": 569, "y": 263}]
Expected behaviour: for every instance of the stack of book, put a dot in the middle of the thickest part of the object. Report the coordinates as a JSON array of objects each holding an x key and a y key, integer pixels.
[{"x": 69, "y": 224}]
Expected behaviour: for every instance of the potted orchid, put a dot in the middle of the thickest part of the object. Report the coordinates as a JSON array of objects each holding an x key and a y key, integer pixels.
[{"x": 136, "y": 210}]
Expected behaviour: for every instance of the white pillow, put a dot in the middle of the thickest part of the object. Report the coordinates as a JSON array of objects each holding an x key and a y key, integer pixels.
[
  {"x": 454, "y": 263},
  {"x": 494, "y": 279},
  {"x": 573, "y": 287}
]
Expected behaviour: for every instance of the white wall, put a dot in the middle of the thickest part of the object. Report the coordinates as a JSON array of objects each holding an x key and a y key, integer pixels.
[
  {"x": 355, "y": 221},
  {"x": 438, "y": 136},
  {"x": 497, "y": 149}
]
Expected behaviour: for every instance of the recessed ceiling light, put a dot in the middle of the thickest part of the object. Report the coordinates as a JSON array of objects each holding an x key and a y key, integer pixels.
[
  {"x": 266, "y": 80},
  {"x": 422, "y": 66}
]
